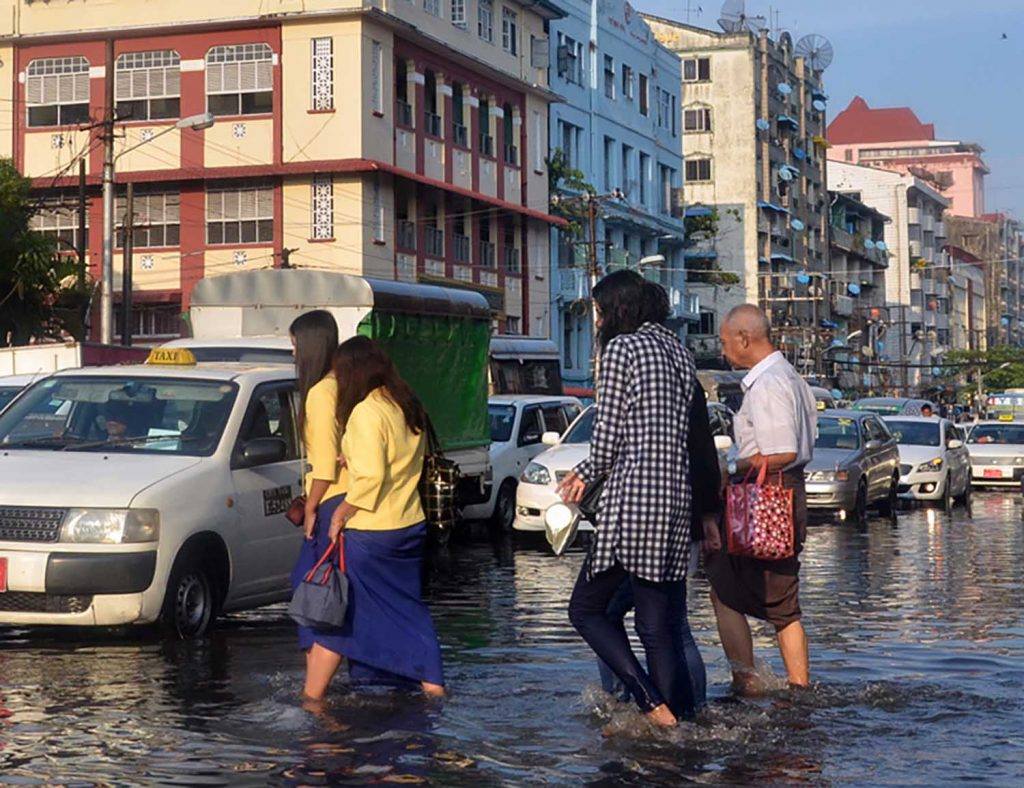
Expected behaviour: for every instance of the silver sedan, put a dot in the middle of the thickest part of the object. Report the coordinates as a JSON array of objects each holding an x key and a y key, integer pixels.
[{"x": 997, "y": 453}]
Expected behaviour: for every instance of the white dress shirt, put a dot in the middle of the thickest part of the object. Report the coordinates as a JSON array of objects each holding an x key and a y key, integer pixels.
[{"x": 778, "y": 415}]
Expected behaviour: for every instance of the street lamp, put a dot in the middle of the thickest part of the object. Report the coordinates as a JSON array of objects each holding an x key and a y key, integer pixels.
[{"x": 195, "y": 122}]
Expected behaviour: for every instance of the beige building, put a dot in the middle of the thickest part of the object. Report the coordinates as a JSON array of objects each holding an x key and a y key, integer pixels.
[
  {"x": 753, "y": 120},
  {"x": 394, "y": 139}
]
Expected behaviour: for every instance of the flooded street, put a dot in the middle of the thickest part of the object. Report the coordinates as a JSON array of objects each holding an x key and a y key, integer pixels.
[{"x": 917, "y": 638}]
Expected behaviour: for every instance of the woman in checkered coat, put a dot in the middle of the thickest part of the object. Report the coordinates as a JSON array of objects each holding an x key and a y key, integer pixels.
[{"x": 645, "y": 384}]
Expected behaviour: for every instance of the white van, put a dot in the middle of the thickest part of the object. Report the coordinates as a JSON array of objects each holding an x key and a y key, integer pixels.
[{"x": 144, "y": 493}]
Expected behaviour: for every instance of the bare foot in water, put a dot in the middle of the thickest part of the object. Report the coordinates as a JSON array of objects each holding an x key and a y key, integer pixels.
[
  {"x": 433, "y": 690},
  {"x": 747, "y": 684},
  {"x": 662, "y": 717}
]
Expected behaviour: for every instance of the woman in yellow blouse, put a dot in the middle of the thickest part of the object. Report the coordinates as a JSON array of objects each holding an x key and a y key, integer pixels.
[
  {"x": 315, "y": 339},
  {"x": 388, "y": 636}
]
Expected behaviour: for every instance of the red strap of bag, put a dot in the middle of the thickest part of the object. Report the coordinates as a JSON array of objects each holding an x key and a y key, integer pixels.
[{"x": 330, "y": 567}]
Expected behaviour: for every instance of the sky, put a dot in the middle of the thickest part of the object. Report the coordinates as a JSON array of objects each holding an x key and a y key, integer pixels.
[{"x": 945, "y": 59}]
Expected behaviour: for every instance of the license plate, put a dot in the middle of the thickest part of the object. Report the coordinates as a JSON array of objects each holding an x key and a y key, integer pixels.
[
  {"x": 3, "y": 575},
  {"x": 993, "y": 473}
]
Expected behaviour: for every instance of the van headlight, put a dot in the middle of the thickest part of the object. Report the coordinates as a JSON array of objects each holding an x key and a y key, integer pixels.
[
  {"x": 110, "y": 526},
  {"x": 535, "y": 473}
]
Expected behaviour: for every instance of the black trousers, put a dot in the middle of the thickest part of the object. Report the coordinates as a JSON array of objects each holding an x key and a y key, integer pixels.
[{"x": 658, "y": 605}]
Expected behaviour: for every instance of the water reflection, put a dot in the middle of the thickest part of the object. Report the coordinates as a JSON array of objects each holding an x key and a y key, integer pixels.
[{"x": 917, "y": 637}]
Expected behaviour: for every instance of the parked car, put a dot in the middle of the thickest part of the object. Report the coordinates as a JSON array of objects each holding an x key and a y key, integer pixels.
[
  {"x": 540, "y": 478},
  {"x": 823, "y": 398},
  {"x": 893, "y": 406},
  {"x": 518, "y": 423},
  {"x": 934, "y": 462},
  {"x": 855, "y": 465},
  {"x": 11, "y": 386},
  {"x": 997, "y": 453}
]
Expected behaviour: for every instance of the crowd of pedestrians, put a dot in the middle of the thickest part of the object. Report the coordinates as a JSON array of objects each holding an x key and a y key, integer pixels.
[{"x": 661, "y": 507}]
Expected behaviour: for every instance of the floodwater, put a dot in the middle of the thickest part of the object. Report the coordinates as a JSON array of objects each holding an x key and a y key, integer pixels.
[{"x": 917, "y": 637}]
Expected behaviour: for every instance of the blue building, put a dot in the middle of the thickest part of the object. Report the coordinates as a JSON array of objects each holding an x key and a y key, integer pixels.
[{"x": 620, "y": 126}]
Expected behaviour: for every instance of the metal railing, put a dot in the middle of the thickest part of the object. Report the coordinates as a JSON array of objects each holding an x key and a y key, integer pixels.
[
  {"x": 513, "y": 260},
  {"x": 406, "y": 231},
  {"x": 486, "y": 144},
  {"x": 486, "y": 254},
  {"x": 460, "y": 247},
  {"x": 512, "y": 155},
  {"x": 433, "y": 121},
  {"x": 403, "y": 113},
  {"x": 433, "y": 241},
  {"x": 460, "y": 134}
]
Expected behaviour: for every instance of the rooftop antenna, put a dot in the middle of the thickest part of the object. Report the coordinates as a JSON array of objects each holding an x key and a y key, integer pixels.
[
  {"x": 691, "y": 10},
  {"x": 735, "y": 19},
  {"x": 816, "y": 51}
]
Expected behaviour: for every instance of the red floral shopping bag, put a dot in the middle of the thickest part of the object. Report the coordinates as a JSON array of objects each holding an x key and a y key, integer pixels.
[{"x": 759, "y": 518}]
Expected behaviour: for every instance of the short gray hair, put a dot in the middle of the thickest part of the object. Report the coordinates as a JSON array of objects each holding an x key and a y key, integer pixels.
[{"x": 751, "y": 319}]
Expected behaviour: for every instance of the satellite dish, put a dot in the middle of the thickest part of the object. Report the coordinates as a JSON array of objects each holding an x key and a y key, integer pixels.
[
  {"x": 819, "y": 105},
  {"x": 784, "y": 88},
  {"x": 853, "y": 288},
  {"x": 869, "y": 244},
  {"x": 762, "y": 124},
  {"x": 816, "y": 51},
  {"x": 799, "y": 153},
  {"x": 734, "y": 18},
  {"x": 881, "y": 245},
  {"x": 785, "y": 174},
  {"x": 797, "y": 225}
]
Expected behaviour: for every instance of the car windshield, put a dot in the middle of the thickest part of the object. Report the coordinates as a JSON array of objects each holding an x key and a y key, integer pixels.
[
  {"x": 915, "y": 433},
  {"x": 503, "y": 418},
  {"x": 7, "y": 393},
  {"x": 119, "y": 414},
  {"x": 837, "y": 433},
  {"x": 881, "y": 406},
  {"x": 581, "y": 431},
  {"x": 997, "y": 433}
]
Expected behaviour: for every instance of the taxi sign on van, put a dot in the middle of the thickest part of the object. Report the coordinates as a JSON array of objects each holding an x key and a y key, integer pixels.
[{"x": 171, "y": 356}]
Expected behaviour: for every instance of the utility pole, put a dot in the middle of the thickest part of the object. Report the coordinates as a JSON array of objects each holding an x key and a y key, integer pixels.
[
  {"x": 82, "y": 262},
  {"x": 107, "y": 283},
  {"x": 592, "y": 274},
  {"x": 126, "y": 275}
]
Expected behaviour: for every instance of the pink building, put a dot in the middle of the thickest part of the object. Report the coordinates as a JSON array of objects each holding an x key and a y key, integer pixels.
[{"x": 893, "y": 138}]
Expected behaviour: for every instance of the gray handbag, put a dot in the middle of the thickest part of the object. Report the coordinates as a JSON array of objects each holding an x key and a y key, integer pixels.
[{"x": 321, "y": 599}]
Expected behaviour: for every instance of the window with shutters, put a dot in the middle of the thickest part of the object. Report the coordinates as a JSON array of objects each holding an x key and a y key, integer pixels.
[
  {"x": 147, "y": 85},
  {"x": 157, "y": 218},
  {"x": 485, "y": 20},
  {"x": 698, "y": 119},
  {"x": 240, "y": 215},
  {"x": 697, "y": 69},
  {"x": 58, "y": 219},
  {"x": 323, "y": 207},
  {"x": 57, "y": 91},
  {"x": 645, "y": 98},
  {"x": 509, "y": 31},
  {"x": 698, "y": 170},
  {"x": 459, "y": 13},
  {"x": 240, "y": 79},
  {"x": 322, "y": 71}
]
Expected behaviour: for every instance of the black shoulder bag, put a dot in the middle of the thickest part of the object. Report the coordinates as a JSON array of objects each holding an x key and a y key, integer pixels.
[{"x": 438, "y": 483}]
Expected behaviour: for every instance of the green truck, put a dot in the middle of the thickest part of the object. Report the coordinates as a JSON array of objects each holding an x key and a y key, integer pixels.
[{"x": 438, "y": 338}]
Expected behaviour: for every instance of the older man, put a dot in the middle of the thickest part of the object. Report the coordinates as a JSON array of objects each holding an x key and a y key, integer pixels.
[{"x": 775, "y": 427}]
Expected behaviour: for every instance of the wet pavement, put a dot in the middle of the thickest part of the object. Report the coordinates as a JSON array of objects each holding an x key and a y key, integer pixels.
[{"x": 917, "y": 636}]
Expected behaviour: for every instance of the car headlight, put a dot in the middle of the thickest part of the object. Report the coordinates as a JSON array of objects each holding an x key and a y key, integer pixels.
[
  {"x": 931, "y": 465},
  {"x": 827, "y": 476},
  {"x": 1018, "y": 460},
  {"x": 535, "y": 473},
  {"x": 110, "y": 526}
]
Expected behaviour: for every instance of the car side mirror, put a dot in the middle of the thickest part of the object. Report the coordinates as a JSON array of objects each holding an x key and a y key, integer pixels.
[
  {"x": 723, "y": 442},
  {"x": 872, "y": 445},
  {"x": 550, "y": 438},
  {"x": 955, "y": 444},
  {"x": 263, "y": 451}
]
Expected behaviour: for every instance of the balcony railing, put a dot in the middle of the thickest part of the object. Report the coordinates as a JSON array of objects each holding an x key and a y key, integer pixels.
[
  {"x": 406, "y": 234},
  {"x": 433, "y": 122},
  {"x": 460, "y": 134},
  {"x": 403, "y": 113},
  {"x": 461, "y": 248},
  {"x": 486, "y": 254},
  {"x": 433, "y": 241},
  {"x": 512, "y": 155},
  {"x": 512, "y": 260},
  {"x": 486, "y": 145}
]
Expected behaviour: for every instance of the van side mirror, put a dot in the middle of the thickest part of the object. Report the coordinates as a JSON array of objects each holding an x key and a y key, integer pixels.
[
  {"x": 263, "y": 451},
  {"x": 550, "y": 438},
  {"x": 723, "y": 442}
]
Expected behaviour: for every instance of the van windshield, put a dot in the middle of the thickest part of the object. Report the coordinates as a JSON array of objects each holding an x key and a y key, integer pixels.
[{"x": 119, "y": 414}]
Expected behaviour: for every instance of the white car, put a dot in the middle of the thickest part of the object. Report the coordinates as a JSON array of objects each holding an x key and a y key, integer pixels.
[
  {"x": 11, "y": 386},
  {"x": 997, "y": 453},
  {"x": 539, "y": 481},
  {"x": 144, "y": 493},
  {"x": 934, "y": 463},
  {"x": 518, "y": 423}
]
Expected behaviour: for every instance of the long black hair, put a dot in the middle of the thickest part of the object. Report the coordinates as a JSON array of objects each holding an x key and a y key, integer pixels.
[
  {"x": 316, "y": 338},
  {"x": 361, "y": 365},
  {"x": 620, "y": 297},
  {"x": 656, "y": 306}
]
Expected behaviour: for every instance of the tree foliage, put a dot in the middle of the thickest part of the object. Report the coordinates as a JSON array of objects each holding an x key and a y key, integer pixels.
[
  {"x": 565, "y": 181},
  {"x": 40, "y": 296},
  {"x": 1002, "y": 366}
]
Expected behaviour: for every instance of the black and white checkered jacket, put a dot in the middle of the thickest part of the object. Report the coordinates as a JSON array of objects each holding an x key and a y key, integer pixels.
[{"x": 644, "y": 387}]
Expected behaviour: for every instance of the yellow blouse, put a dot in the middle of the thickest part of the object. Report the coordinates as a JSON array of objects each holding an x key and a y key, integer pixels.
[
  {"x": 385, "y": 460},
  {"x": 323, "y": 439}
]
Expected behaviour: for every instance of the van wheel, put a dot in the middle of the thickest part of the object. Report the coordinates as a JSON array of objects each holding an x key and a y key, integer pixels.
[
  {"x": 505, "y": 506},
  {"x": 189, "y": 603}
]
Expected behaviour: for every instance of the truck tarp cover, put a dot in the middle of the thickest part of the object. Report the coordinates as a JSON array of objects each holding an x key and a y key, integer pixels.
[{"x": 438, "y": 337}]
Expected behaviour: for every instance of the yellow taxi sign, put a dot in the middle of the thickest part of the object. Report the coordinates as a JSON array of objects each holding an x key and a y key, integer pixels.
[
  {"x": 171, "y": 356},
  {"x": 1006, "y": 416},
  {"x": 821, "y": 404}
]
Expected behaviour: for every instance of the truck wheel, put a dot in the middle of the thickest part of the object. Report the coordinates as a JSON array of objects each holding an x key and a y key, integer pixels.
[
  {"x": 189, "y": 602},
  {"x": 505, "y": 506}
]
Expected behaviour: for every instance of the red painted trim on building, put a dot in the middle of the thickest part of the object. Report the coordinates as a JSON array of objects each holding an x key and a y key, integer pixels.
[
  {"x": 278, "y": 100},
  {"x": 278, "y": 223}
]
